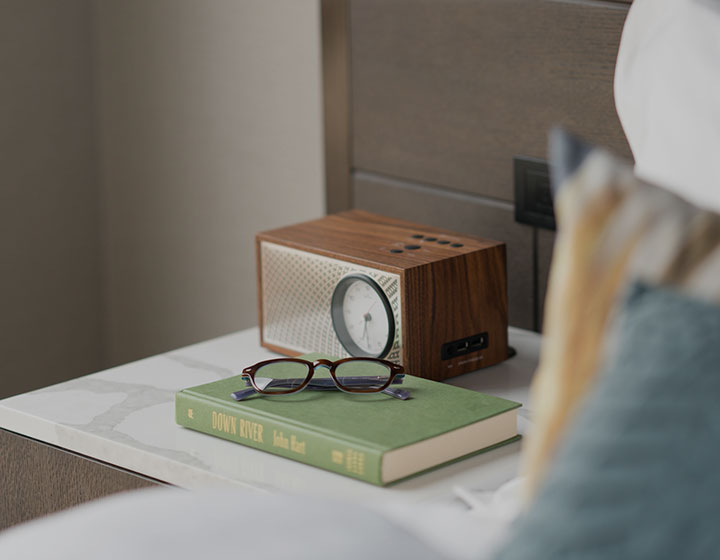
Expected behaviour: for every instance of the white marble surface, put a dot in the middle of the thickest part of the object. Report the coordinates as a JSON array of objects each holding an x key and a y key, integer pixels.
[{"x": 125, "y": 416}]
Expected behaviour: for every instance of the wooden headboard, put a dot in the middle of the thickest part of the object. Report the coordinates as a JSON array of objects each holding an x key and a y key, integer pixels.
[{"x": 427, "y": 102}]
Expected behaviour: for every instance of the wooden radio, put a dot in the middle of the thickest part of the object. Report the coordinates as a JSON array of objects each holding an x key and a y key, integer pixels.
[{"x": 360, "y": 284}]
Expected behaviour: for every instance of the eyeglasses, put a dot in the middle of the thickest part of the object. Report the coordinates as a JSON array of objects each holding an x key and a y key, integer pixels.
[{"x": 282, "y": 376}]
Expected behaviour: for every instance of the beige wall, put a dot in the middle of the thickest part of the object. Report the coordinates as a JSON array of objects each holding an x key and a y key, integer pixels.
[
  {"x": 210, "y": 130},
  {"x": 143, "y": 143},
  {"x": 49, "y": 229}
]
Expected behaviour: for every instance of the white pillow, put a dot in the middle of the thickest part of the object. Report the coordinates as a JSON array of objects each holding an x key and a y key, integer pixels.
[{"x": 667, "y": 94}]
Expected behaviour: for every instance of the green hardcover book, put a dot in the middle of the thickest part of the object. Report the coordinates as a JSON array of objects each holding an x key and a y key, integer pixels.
[{"x": 372, "y": 437}]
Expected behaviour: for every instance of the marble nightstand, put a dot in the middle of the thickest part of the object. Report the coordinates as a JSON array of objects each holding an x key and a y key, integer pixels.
[{"x": 115, "y": 430}]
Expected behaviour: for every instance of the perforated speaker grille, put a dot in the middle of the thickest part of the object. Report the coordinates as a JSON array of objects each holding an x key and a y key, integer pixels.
[{"x": 297, "y": 289}]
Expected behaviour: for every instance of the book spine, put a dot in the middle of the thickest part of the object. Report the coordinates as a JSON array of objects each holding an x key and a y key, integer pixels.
[{"x": 249, "y": 428}]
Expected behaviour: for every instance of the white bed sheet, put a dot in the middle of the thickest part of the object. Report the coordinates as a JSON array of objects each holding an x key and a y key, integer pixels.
[{"x": 173, "y": 523}]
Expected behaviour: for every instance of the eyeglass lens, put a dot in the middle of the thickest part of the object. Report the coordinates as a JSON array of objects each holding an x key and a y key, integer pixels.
[
  {"x": 281, "y": 375},
  {"x": 362, "y": 374}
]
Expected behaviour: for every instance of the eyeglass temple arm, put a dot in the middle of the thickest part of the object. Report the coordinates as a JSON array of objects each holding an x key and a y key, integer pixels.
[
  {"x": 240, "y": 395},
  {"x": 402, "y": 394},
  {"x": 326, "y": 384}
]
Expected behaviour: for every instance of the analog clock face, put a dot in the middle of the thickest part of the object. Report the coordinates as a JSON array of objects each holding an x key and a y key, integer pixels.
[{"x": 362, "y": 316}]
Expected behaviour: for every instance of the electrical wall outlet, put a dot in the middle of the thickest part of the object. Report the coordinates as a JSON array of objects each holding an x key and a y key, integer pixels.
[{"x": 533, "y": 197}]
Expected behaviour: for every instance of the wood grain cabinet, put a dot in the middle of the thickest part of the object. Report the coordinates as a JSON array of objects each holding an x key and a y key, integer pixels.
[{"x": 39, "y": 479}]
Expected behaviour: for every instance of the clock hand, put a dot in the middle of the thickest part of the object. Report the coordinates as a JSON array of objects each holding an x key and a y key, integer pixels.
[{"x": 366, "y": 335}]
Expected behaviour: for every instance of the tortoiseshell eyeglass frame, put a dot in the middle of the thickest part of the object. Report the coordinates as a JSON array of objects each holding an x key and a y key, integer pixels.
[{"x": 352, "y": 384}]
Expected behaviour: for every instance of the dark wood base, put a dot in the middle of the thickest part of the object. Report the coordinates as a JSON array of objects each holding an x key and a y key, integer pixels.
[{"x": 38, "y": 479}]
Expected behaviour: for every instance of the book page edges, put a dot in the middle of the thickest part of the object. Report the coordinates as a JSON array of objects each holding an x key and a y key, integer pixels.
[{"x": 416, "y": 457}]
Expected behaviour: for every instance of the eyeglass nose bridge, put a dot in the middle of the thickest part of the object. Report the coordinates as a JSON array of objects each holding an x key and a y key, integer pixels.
[{"x": 322, "y": 363}]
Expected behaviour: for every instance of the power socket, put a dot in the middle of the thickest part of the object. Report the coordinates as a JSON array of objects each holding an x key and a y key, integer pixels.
[{"x": 533, "y": 197}]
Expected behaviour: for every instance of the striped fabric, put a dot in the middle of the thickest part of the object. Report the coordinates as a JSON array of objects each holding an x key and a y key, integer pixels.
[
  {"x": 637, "y": 475},
  {"x": 612, "y": 230}
]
